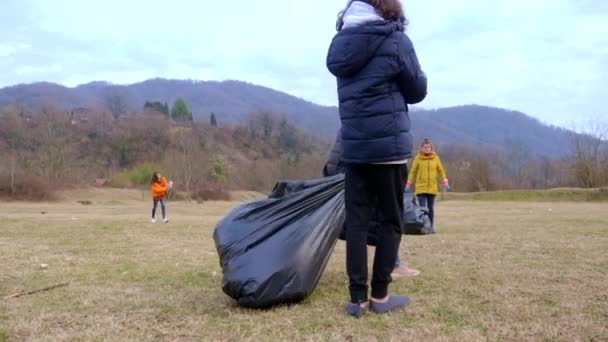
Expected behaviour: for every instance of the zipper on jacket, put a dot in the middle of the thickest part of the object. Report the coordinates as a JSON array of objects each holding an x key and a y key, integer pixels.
[{"x": 428, "y": 169}]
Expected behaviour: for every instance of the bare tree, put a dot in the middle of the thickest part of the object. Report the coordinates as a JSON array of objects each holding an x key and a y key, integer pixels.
[
  {"x": 470, "y": 169},
  {"x": 590, "y": 155},
  {"x": 481, "y": 173},
  {"x": 263, "y": 124},
  {"x": 13, "y": 136},
  {"x": 186, "y": 145},
  {"x": 517, "y": 161},
  {"x": 116, "y": 102},
  {"x": 57, "y": 148}
]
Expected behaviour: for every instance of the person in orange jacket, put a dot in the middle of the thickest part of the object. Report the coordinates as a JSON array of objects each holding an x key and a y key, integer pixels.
[{"x": 160, "y": 187}]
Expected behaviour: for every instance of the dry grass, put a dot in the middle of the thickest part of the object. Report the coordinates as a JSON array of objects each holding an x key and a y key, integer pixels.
[
  {"x": 495, "y": 271},
  {"x": 550, "y": 195}
]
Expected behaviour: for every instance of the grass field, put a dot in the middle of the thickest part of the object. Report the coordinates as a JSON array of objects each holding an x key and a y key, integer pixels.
[
  {"x": 551, "y": 195},
  {"x": 497, "y": 271}
]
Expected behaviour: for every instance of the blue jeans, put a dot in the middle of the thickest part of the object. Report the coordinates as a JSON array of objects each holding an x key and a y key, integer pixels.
[
  {"x": 162, "y": 206},
  {"x": 428, "y": 201}
]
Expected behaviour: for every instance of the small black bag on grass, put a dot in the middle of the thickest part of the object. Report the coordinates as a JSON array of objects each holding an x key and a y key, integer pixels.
[
  {"x": 274, "y": 250},
  {"x": 416, "y": 220}
]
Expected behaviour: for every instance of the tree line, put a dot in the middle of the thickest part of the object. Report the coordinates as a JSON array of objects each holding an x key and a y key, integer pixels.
[
  {"x": 54, "y": 149},
  {"x": 62, "y": 149}
]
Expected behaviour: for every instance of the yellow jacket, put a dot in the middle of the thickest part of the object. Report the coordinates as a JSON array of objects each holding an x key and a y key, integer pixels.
[{"x": 425, "y": 170}]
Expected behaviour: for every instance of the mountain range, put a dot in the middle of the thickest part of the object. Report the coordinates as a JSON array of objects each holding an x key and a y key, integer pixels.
[{"x": 233, "y": 101}]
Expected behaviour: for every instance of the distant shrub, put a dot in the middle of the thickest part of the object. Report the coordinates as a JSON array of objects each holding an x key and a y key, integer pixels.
[
  {"x": 178, "y": 195},
  {"x": 138, "y": 175},
  {"x": 29, "y": 188},
  {"x": 218, "y": 172},
  {"x": 210, "y": 193}
]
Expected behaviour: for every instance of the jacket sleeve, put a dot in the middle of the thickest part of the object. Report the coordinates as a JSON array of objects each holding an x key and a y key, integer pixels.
[
  {"x": 333, "y": 165},
  {"x": 440, "y": 169},
  {"x": 414, "y": 171},
  {"x": 412, "y": 80}
]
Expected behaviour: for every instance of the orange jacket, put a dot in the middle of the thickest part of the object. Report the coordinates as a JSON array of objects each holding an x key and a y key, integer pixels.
[{"x": 159, "y": 189}]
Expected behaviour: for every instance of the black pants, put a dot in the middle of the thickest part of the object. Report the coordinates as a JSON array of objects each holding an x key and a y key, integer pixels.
[
  {"x": 162, "y": 206},
  {"x": 370, "y": 189},
  {"x": 428, "y": 201}
]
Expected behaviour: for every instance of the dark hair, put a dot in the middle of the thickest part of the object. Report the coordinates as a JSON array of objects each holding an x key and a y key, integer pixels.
[
  {"x": 387, "y": 9},
  {"x": 155, "y": 177}
]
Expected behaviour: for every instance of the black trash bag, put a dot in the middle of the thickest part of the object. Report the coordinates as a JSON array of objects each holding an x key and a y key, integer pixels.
[
  {"x": 284, "y": 188},
  {"x": 416, "y": 219},
  {"x": 274, "y": 250}
]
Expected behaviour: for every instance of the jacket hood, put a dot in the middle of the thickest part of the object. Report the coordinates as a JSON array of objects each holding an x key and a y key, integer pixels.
[{"x": 352, "y": 48}]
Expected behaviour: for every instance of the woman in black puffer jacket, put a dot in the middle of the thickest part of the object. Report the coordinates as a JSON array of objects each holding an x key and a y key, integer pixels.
[{"x": 378, "y": 75}]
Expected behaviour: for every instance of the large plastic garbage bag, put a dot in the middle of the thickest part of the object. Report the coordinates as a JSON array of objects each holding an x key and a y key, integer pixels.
[{"x": 274, "y": 250}]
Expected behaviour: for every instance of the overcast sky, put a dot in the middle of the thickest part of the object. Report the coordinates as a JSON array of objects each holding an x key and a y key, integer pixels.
[{"x": 547, "y": 58}]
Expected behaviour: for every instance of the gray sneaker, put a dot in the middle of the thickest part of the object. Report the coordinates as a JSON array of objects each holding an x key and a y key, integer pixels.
[{"x": 393, "y": 303}]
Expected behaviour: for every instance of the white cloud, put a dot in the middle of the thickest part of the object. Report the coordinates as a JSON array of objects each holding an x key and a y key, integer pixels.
[
  {"x": 27, "y": 69},
  {"x": 544, "y": 57}
]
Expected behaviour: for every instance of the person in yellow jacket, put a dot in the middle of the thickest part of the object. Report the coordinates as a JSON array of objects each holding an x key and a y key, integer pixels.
[
  {"x": 159, "y": 187},
  {"x": 425, "y": 170}
]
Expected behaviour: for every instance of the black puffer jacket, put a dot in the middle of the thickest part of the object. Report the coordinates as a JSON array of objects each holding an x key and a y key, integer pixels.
[{"x": 378, "y": 74}]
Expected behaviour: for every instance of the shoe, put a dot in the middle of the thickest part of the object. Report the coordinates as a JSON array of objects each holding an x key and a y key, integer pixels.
[
  {"x": 153, "y": 220},
  {"x": 393, "y": 303},
  {"x": 355, "y": 310},
  {"x": 165, "y": 220},
  {"x": 404, "y": 271}
]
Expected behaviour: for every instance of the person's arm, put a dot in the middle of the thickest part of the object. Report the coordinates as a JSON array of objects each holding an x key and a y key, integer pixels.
[
  {"x": 412, "y": 80},
  {"x": 333, "y": 165},
  {"x": 440, "y": 169},
  {"x": 165, "y": 186}
]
